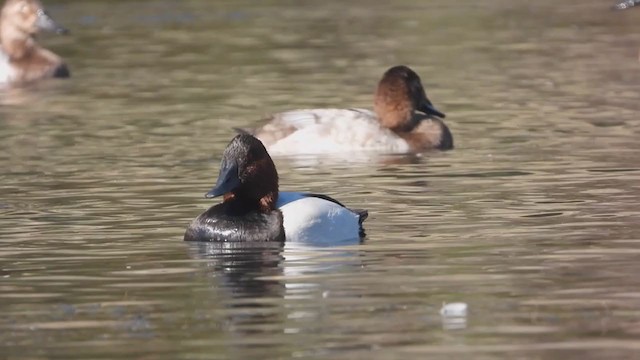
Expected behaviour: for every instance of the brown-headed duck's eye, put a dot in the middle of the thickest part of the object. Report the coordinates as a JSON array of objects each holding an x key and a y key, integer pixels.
[
  {"x": 254, "y": 154},
  {"x": 23, "y": 6}
]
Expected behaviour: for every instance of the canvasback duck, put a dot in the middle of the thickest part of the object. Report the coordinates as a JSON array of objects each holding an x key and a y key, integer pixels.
[
  {"x": 627, "y": 4},
  {"x": 404, "y": 121},
  {"x": 253, "y": 209},
  {"x": 22, "y": 60}
]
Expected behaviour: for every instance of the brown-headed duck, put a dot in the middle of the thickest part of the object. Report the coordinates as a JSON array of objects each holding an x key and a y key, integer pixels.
[
  {"x": 253, "y": 208},
  {"x": 626, "y": 4},
  {"x": 404, "y": 121},
  {"x": 22, "y": 60}
]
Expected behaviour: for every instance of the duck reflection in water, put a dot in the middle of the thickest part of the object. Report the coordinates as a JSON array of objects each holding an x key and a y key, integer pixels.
[
  {"x": 242, "y": 266},
  {"x": 242, "y": 273},
  {"x": 265, "y": 288}
]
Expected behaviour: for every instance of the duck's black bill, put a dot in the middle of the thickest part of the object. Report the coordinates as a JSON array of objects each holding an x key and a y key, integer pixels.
[
  {"x": 45, "y": 22},
  {"x": 427, "y": 108},
  {"x": 228, "y": 181}
]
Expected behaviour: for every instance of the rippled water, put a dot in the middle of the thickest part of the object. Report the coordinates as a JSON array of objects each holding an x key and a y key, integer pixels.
[{"x": 532, "y": 220}]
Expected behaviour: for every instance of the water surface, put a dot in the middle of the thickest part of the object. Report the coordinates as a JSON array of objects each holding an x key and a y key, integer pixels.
[{"x": 532, "y": 220}]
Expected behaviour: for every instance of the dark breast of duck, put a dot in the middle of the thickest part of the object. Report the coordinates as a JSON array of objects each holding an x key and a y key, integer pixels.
[{"x": 232, "y": 221}]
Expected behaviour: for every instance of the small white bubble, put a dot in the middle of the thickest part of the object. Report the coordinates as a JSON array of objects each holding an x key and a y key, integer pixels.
[{"x": 456, "y": 309}]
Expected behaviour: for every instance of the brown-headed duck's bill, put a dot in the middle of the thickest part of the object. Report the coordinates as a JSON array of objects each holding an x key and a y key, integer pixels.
[
  {"x": 228, "y": 180},
  {"x": 428, "y": 108},
  {"x": 46, "y": 23}
]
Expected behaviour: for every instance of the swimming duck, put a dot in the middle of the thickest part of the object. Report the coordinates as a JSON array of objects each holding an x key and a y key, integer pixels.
[
  {"x": 22, "y": 60},
  {"x": 627, "y": 4},
  {"x": 253, "y": 209},
  {"x": 404, "y": 121}
]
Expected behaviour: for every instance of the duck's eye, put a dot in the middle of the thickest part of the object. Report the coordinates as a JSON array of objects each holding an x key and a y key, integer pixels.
[{"x": 256, "y": 154}]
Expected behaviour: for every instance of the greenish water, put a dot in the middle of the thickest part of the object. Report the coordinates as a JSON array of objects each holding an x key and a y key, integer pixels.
[{"x": 532, "y": 220}]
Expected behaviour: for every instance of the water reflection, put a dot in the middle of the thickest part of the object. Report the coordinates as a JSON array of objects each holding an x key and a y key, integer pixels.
[
  {"x": 240, "y": 268},
  {"x": 242, "y": 275},
  {"x": 267, "y": 283},
  {"x": 532, "y": 219}
]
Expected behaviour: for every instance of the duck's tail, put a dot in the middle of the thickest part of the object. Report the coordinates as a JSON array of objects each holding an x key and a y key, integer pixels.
[{"x": 362, "y": 216}]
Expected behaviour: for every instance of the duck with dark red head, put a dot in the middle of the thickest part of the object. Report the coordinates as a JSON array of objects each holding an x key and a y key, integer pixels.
[
  {"x": 253, "y": 209},
  {"x": 404, "y": 120},
  {"x": 22, "y": 60}
]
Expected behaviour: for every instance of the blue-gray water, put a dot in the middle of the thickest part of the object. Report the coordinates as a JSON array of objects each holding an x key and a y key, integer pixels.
[{"x": 532, "y": 220}]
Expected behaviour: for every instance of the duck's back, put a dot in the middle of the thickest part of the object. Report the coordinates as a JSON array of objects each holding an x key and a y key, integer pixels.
[
  {"x": 319, "y": 219},
  {"x": 228, "y": 222},
  {"x": 313, "y": 131},
  {"x": 7, "y": 73},
  {"x": 41, "y": 64}
]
